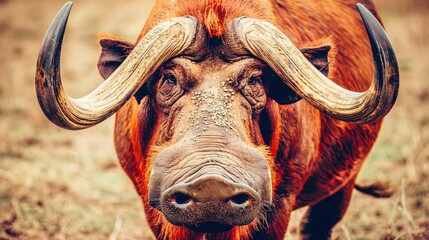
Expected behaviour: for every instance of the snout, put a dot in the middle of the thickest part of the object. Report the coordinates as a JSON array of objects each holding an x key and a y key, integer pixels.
[{"x": 211, "y": 200}]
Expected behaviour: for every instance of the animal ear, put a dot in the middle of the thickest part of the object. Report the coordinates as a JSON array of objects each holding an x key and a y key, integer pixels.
[
  {"x": 281, "y": 93},
  {"x": 114, "y": 50},
  {"x": 318, "y": 56}
]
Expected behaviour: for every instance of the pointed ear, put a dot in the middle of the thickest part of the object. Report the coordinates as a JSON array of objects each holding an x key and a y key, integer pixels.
[
  {"x": 318, "y": 56},
  {"x": 114, "y": 50}
]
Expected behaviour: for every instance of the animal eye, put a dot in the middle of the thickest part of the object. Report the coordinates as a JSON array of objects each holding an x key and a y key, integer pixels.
[
  {"x": 170, "y": 79},
  {"x": 253, "y": 81}
]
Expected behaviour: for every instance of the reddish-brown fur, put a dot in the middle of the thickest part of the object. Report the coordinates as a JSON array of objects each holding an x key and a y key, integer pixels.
[{"x": 315, "y": 155}]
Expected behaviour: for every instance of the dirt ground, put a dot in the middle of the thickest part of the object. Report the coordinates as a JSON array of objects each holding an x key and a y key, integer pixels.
[{"x": 58, "y": 184}]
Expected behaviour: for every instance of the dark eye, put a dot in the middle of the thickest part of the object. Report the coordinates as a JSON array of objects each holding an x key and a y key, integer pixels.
[
  {"x": 170, "y": 79},
  {"x": 253, "y": 81}
]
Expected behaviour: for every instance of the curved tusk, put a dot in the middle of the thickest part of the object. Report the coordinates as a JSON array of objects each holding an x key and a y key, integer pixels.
[
  {"x": 164, "y": 41},
  {"x": 268, "y": 43}
]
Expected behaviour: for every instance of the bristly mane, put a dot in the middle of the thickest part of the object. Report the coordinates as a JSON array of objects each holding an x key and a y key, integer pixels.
[{"x": 214, "y": 14}]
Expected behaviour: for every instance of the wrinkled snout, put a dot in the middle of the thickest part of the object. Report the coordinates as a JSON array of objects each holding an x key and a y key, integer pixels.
[
  {"x": 211, "y": 199},
  {"x": 210, "y": 187}
]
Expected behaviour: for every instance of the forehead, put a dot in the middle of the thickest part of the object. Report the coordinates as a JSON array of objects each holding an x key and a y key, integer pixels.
[
  {"x": 214, "y": 53},
  {"x": 215, "y": 65}
]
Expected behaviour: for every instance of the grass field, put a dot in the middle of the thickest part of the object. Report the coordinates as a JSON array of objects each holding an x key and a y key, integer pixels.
[{"x": 57, "y": 184}]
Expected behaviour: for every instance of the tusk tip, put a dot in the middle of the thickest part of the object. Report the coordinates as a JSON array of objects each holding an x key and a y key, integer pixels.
[{"x": 67, "y": 7}]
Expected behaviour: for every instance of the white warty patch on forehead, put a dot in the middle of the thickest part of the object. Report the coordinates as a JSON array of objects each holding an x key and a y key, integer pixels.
[{"x": 213, "y": 108}]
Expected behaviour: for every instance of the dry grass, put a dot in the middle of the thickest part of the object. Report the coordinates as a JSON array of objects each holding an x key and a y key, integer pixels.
[{"x": 56, "y": 184}]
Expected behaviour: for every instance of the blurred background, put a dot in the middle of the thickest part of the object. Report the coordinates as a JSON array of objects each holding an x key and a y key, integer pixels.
[{"x": 58, "y": 184}]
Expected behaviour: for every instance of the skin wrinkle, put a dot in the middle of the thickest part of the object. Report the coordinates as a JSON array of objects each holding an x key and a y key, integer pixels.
[
  {"x": 168, "y": 127},
  {"x": 233, "y": 174},
  {"x": 181, "y": 69},
  {"x": 185, "y": 161},
  {"x": 168, "y": 96}
]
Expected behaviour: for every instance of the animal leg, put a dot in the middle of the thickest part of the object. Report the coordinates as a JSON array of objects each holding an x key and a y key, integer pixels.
[{"x": 320, "y": 218}]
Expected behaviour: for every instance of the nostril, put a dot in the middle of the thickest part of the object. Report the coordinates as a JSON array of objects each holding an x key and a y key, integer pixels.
[
  {"x": 240, "y": 199},
  {"x": 181, "y": 199}
]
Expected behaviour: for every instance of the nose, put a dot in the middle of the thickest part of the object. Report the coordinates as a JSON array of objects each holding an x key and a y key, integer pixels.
[{"x": 210, "y": 199}]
